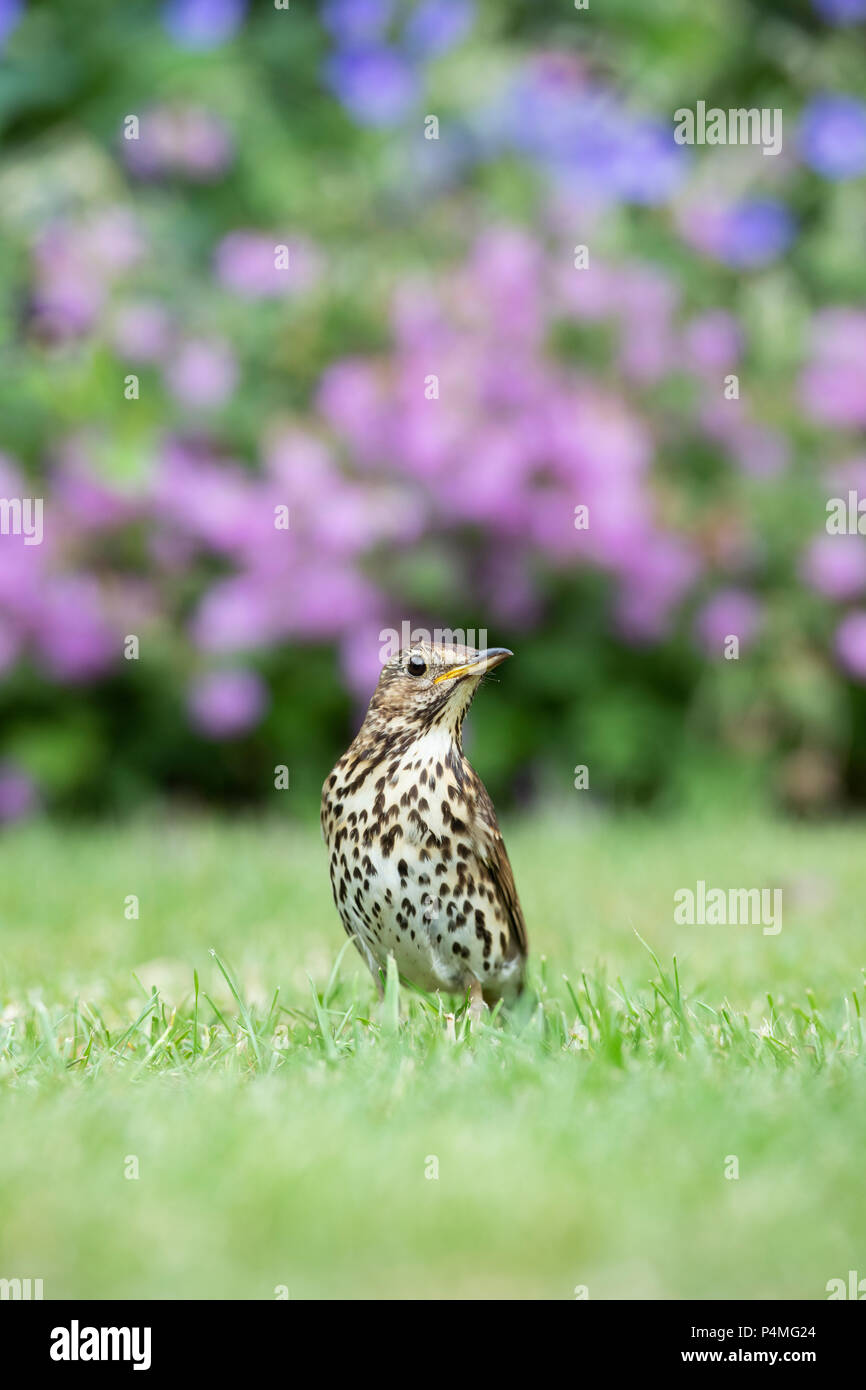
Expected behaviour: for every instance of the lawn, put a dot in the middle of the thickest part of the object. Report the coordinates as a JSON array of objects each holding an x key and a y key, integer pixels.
[{"x": 182, "y": 1124}]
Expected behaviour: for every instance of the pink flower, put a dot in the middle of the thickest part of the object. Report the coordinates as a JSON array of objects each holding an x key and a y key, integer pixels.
[
  {"x": 851, "y": 644},
  {"x": 9, "y": 644},
  {"x": 761, "y": 451},
  {"x": 226, "y": 704},
  {"x": 81, "y": 495},
  {"x": 141, "y": 331},
  {"x": 74, "y": 266},
  {"x": 360, "y": 658},
  {"x": 712, "y": 343},
  {"x": 590, "y": 294},
  {"x": 352, "y": 399},
  {"x": 251, "y": 264},
  {"x": 72, "y": 634},
  {"x": 836, "y": 566},
  {"x": 729, "y": 613},
  {"x": 235, "y": 615},
  {"x": 18, "y": 797},
  {"x": 214, "y": 500},
  {"x": 833, "y": 386},
  {"x": 656, "y": 576},
  {"x": 204, "y": 373},
  {"x": 184, "y": 140},
  {"x": 330, "y": 600}
]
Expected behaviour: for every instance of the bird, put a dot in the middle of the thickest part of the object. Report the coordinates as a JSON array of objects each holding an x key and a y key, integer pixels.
[{"x": 418, "y": 866}]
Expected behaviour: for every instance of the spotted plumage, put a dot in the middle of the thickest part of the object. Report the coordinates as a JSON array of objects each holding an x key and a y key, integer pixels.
[{"x": 418, "y": 866}]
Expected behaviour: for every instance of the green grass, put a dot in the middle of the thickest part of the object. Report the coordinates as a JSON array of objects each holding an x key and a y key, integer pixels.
[{"x": 283, "y": 1120}]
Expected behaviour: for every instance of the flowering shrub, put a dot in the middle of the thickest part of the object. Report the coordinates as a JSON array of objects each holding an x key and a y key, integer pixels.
[{"x": 287, "y": 373}]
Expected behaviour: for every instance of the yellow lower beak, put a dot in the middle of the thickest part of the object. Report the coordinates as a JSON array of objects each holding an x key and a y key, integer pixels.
[{"x": 485, "y": 661}]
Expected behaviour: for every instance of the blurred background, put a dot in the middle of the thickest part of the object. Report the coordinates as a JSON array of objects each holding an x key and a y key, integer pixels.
[{"x": 236, "y": 243}]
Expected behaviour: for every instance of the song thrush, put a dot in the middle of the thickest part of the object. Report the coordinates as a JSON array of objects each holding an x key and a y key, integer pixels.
[{"x": 418, "y": 866}]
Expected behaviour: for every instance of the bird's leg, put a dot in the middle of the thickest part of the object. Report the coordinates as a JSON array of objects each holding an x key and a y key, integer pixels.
[{"x": 476, "y": 1000}]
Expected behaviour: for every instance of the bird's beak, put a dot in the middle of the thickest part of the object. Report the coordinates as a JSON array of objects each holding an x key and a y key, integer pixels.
[{"x": 484, "y": 661}]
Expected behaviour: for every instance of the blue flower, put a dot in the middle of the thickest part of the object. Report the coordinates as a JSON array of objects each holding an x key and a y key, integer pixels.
[
  {"x": 650, "y": 165},
  {"x": 756, "y": 232},
  {"x": 434, "y": 26},
  {"x": 376, "y": 85},
  {"x": 203, "y": 23},
  {"x": 833, "y": 136},
  {"x": 357, "y": 21},
  {"x": 10, "y": 13},
  {"x": 841, "y": 11}
]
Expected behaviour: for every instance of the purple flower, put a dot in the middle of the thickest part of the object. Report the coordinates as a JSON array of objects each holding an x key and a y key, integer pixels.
[
  {"x": 357, "y": 21},
  {"x": 590, "y": 294},
  {"x": 552, "y": 115},
  {"x": 235, "y": 615},
  {"x": 204, "y": 373},
  {"x": 649, "y": 166},
  {"x": 352, "y": 400},
  {"x": 833, "y": 385},
  {"x": 589, "y": 145},
  {"x": 72, "y": 635},
  {"x": 184, "y": 140},
  {"x": 356, "y": 518},
  {"x": 758, "y": 450},
  {"x": 203, "y": 23},
  {"x": 506, "y": 268},
  {"x": 729, "y": 613},
  {"x": 850, "y": 474},
  {"x": 112, "y": 241},
  {"x": 141, "y": 332},
  {"x": 712, "y": 342},
  {"x": 832, "y": 136},
  {"x": 74, "y": 265},
  {"x": 648, "y": 353},
  {"x": 756, "y": 232},
  {"x": 841, "y": 11},
  {"x": 851, "y": 644},
  {"x": 22, "y": 571},
  {"x": 10, "y": 14},
  {"x": 82, "y": 495},
  {"x": 226, "y": 704},
  {"x": 487, "y": 488},
  {"x": 9, "y": 644},
  {"x": 331, "y": 599},
  {"x": 359, "y": 657},
  {"x": 836, "y": 566},
  {"x": 434, "y": 26},
  {"x": 510, "y": 587},
  {"x": 656, "y": 574},
  {"x": 377, "y": 86},
  {"x": 213, "y": 500},
  {"x": 246, "y": 262},
  {"x": 747, "y": 235},
  {"x": 17, "y": 794},
  {"x": 300, "y": 464}
]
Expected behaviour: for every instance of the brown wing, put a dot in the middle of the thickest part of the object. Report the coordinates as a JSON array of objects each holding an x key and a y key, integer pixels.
[{"x": 490, "y": 847}]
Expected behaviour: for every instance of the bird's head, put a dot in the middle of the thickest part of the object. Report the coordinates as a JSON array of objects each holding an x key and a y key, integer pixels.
[{"x": 430, "y": 685}]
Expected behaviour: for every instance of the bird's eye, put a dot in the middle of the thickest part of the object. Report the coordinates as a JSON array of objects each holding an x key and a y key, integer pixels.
[{"x": 417, "y": 666}]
